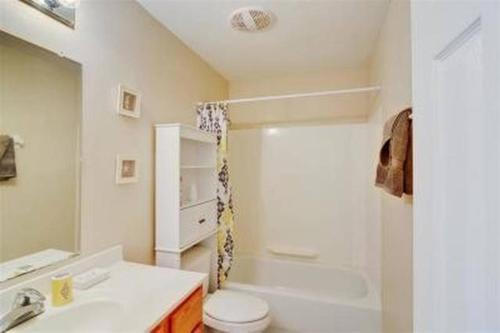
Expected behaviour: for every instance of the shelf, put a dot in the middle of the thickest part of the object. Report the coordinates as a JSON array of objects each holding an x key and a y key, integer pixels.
[
  {"x": 198, "y": 166},
  {"x": 188, "y": 246},
  {"x": 185, "y": 191},
  {"x": 196, "y": 203},
  {"x": 197, "y": 154}
]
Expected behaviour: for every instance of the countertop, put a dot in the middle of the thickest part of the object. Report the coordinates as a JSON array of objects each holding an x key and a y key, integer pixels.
[{"x": 145, "y": 295}]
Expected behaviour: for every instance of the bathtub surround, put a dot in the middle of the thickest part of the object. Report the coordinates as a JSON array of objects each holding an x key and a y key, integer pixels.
[
  {"x": 302, "y": 189},
  {"x": 169, "y": 75},
  {"x": 391, "y": 69},
  {"x": 214, "y": 118},
  {"x": 294, "y": 155}
]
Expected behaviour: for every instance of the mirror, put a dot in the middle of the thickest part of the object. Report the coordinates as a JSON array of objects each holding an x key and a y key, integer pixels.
[{"x": 40, "y": 117}]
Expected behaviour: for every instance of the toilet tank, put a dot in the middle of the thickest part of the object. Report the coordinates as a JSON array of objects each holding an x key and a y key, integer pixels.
[{"x": 197, "y": 259}]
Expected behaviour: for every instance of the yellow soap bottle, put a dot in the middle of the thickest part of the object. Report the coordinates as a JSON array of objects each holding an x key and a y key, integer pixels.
[{"x": 62, "y": 289}]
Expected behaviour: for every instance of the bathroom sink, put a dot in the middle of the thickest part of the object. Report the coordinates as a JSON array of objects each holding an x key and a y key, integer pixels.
[
  {"x": 113, "y": 305},
  {"x": 93, "y": 316}
]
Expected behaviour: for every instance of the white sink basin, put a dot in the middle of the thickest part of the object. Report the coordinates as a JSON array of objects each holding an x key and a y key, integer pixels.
[{"x": 94, "y": 316}]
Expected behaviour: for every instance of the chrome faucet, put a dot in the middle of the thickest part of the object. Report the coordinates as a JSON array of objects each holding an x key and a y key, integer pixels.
[{"x": 28, "y": 303}]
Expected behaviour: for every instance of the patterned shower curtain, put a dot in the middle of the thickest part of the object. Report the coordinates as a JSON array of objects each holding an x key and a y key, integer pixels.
[{"x": 213, "y": 118}]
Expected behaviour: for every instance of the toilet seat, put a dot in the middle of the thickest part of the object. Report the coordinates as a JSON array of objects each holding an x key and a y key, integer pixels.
[
  {"x": 253, "y": 326},
  {"x": 231, "y": 311},
  {"x": 235, "y": 307}
]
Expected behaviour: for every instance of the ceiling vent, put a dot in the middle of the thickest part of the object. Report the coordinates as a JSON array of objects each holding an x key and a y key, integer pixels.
[{"x": 251, "y": 19}]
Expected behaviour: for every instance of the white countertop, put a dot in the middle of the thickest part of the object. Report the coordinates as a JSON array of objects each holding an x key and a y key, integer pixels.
[
  {"x": 150, "y": 292},
  {"x": 143, "y": 294}
]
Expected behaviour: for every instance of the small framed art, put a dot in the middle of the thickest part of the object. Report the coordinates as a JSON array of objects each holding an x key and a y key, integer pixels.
[
  {"x": 129, "y": 102},
  {"x": 126, "y": 169}
]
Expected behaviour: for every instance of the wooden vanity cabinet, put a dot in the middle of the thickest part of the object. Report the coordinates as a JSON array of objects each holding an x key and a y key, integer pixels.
[{"x": 186, "y": 318}]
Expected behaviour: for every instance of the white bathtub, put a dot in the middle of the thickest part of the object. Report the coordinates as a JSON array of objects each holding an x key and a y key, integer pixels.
[{"x": 307, "y": 297}]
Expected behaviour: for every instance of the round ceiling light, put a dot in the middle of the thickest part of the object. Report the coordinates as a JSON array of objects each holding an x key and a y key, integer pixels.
[{"x": 251, "y": 19}]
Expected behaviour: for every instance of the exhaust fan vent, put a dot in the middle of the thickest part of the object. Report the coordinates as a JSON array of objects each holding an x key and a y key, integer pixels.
[{"x": 250, "y": 19}]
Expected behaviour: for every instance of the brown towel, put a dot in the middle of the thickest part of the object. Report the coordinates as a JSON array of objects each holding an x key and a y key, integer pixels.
[
  {"x": 7, "y": 158},
  {"x": 395, "y": 167}
]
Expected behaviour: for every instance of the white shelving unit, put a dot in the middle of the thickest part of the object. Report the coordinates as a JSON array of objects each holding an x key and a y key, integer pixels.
[{"x": 186, "y": 187}]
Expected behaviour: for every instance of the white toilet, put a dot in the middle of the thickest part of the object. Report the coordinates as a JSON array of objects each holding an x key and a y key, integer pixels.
[{"x": 226, "y": 310}]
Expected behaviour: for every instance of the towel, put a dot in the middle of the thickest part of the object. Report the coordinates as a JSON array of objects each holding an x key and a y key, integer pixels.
[
  {"x": 7, "y": 158},
  {"x": 395, "y": 167}
]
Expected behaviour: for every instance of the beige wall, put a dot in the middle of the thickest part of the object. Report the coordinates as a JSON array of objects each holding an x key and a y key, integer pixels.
[
  {"x": 391, "y": 68},
  {"x": 118, "y": 42},
  {"x": 39, "y": 101},
  {"x": 300, "y": 111}
]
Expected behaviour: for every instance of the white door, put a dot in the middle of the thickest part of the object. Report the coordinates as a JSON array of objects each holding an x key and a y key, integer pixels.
[{"x": 456, "y": 91}]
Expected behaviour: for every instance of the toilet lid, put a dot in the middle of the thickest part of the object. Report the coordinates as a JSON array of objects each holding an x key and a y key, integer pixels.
[{"x": 235, "y": 307}]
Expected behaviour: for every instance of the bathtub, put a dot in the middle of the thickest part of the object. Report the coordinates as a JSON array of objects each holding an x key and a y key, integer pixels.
[{"x": 308, "y": 297}]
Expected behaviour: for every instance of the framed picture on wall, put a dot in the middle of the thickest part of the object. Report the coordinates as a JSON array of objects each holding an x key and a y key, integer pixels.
[
  {"x": 126, "y": 169},
  {"x": 129, "y": 102}
]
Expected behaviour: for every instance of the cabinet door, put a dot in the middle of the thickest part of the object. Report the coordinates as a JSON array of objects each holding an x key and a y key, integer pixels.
[
  {"x": 199, "y": 328},
  {"x": 163, "y": 327},
  {"x": 188, "y": 316}
]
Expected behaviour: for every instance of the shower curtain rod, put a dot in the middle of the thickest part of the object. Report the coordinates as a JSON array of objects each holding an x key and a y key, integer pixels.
[{"x": 312, "y": 94}]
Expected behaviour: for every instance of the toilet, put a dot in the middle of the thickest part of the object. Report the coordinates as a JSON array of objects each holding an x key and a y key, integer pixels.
[
  {"x": 226, "y": 310},
  {"x": 231, "y": 311}
]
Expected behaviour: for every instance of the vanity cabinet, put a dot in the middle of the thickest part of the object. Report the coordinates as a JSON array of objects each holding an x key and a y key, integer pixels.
[{"x": 186, "y": 318}]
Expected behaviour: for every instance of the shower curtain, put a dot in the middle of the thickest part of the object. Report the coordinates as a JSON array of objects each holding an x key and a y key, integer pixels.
[{"x": 213, "y": 118}]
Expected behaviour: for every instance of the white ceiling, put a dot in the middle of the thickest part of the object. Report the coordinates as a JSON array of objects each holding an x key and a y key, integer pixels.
[{"x": 308, "y": 35}]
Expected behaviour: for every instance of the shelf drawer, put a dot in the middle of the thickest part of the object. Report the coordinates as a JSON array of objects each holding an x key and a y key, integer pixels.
[
  {"x": 188, "y": 316},
  {"x": 197, "y": 221}
]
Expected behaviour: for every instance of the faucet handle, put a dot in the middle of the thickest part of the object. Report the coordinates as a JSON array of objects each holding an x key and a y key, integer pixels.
[{"x": 27, "y": 296}]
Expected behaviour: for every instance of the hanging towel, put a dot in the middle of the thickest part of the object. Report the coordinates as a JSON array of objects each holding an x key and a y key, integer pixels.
[
  {"x": 7, "y": 158},
  {"x": 395, "y": 169}
]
